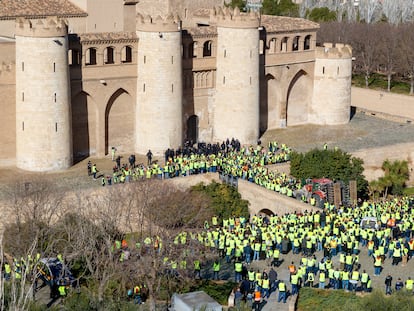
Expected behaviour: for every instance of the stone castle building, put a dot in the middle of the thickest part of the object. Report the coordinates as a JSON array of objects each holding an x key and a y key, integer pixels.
[{"x": 78, "y": 77}]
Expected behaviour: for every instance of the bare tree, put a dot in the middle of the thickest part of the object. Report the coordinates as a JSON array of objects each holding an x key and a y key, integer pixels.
[
  {"x": 392, "y": 9},
  {"x": 364, "y": 40},
  {"x": 369, "y": 10},
  {"x": 407, "y": 52},
  {"x": 33, "y": 206},
  {"x": 407, "y": 11},
  {"x": 389, "y": 49},
  {"x": 335, "y": 32}
]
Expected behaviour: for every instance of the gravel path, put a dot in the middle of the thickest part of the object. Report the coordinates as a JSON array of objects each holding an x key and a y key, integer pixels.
[{"x": 363, "y": 131}]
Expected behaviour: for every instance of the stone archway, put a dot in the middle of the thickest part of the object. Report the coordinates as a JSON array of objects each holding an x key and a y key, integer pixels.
[
  {"x": 84, "y": 122},
  {"x": 120, "y": 122},
  {"x": 266, "y": 211},
  {"x": 298, "y": 101},
  {"x": 192, "y": 129}
]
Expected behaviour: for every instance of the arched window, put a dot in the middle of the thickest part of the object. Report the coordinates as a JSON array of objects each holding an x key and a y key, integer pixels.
[
  {"x": 283, "y": 44},
  {"x": 272, "y": 46},
  {"x": 295, "y": 44},
  {"x": 126, "y": 54},
  {"x": 73, "y": 57},
  {"x": 207, "y": 49},
  {"x": 109, "y": 55},
  {"x": 90, "y": 57},
  {"x": 307, "y": 42}
]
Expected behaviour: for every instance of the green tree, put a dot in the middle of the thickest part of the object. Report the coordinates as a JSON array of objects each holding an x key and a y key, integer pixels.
[
  {"x": 395, "y": 176},
  {"x": 280, "y": 7},
  {"x": 226, "y": 201},
  {"x": 321, "y": 15},
  {"x": 333, "y": 164},
  {"x": 241, "y": 4}
]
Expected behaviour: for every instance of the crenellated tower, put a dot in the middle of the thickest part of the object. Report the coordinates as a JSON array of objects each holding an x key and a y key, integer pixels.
[
  {"x": 43, "y": 123},
  {"x": 236, "y": 104},
  {"x": 159, "y": 84},
  {"x": 331, "y": 101}
]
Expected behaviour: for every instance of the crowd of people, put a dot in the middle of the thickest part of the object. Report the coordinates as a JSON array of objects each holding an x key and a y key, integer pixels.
[
  {"x": 228, "y": 158},
  {"x": 326, "y": 245},
  {"x": 333, "y": 232}
]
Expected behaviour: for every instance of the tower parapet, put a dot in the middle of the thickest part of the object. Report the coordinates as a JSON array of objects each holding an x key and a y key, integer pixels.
[
  {"x": 332, "y": 75},
  {"x": 233, "y": 18},
  {"x": 41, "y": 28},
  {"x": 43, "y": 121},
  {"x": 329, "y": 50},
  {"x": 169, "y": 23}
]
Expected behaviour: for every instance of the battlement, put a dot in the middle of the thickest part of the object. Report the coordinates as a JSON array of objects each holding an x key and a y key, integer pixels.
[
  {"x": 338, "y": 50},
  {"x": 44, "y": 28},
  {"x": 233, "y": 18},
  {"x": 169, "y": 23}
]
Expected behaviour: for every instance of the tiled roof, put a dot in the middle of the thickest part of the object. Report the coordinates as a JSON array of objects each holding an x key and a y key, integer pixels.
[
  {"x": 284, "y": 24},
  {"x": 105, "y": 36},
  {"x": 38, "y": 8},
  {"x": 201, "y": 31}
]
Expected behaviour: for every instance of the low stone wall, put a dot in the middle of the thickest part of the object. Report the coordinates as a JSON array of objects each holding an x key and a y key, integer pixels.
[
  {"x": 383, "y": 102},
  {"x": 373, "y": 159},
  {"x": 393, "y": 107}
]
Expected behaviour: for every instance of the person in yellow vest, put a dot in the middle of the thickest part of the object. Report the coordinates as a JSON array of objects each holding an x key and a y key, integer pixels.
[
  {"x": 294, "y": 281},
  {"x": 282, "y": 292},
  {"x": 265, "y": 287},
  {"x": 345, "y": 280},
  {"x": 364, "y": 280},
  {"x": 62, "y": 290},
  {"x": 251, "y": 275},
  {"x": 354, "y": 280},
  {"x": 409, "y": 284},
  {"x": 7, "y": 271},
  {"x": 197, "y": 269},
  {"x": 322, "y": 279},
  {"x": 275, "y": 262},
  {"x": 292, "y": 268},
  {"x": 396, "y": 256},
  {"x": 377, "y": 265},
  {"x": 216, "y": 269},
  {"x": 310, "y": 279},
  {"x": 94, "y": 171},
  {"x": 238, "y": 269}
]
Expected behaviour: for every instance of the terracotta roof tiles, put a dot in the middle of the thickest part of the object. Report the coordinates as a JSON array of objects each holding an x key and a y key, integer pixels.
[
  {"x": 38, "y": 8},
  {"x": 286, "y": 24}
]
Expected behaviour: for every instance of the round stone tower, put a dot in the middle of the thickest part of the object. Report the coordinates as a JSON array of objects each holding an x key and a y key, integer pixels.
[
  {"x": 331, "y": 101},
  {"x": 159, "y": 84},
  {"x": 236, "y": 105},
  {"x": 43, "y": 122}
]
